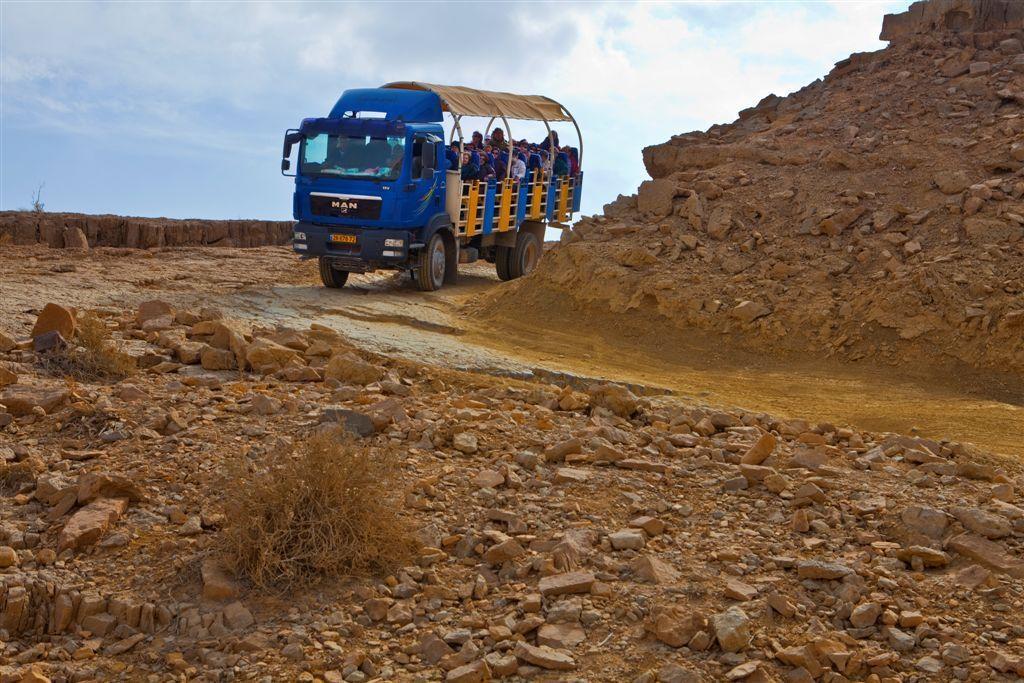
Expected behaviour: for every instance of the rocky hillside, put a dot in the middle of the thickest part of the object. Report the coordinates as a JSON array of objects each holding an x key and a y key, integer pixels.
[
  {"x": 81, "y": 231},
  {"x": 875, "y": 214}
]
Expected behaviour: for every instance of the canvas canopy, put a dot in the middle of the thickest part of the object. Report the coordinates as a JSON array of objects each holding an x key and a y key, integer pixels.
[{"x": 462, "y": 101}]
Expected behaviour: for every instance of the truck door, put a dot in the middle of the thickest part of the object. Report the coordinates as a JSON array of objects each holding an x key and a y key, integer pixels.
[{"x": 427, "y": 179}]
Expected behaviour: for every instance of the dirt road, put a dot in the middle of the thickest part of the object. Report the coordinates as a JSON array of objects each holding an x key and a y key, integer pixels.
[{"x": 387, "y": 314}]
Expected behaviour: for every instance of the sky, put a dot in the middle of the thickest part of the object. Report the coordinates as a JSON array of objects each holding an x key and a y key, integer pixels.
[{"x": 178, "y": 109}]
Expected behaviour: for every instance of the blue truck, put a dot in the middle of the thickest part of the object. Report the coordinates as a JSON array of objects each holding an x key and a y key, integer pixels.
[{"x": 374, "y": 188}]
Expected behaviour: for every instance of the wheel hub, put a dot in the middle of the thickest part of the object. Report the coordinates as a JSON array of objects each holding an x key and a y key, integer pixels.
[{"x": 437, "y": 263}]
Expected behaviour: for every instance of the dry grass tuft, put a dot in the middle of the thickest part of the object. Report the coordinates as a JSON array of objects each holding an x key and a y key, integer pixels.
[
  {"x": 326, "y": 509},
  {"x": 91, "y": 356},
  {"x": 14, "y": 475}
]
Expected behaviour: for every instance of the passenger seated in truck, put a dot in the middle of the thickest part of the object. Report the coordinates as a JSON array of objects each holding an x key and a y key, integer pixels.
[
  {"x": 500, "y": 164},
  {"x": 519, "y": 166},
  {"x": 477, "y": 142},
  {"x": 574, "y": 160},
  {"x": 452, "y": 157},
  {"x": 498, "y": 140},
  {"x": 470, "y": 166},
  {"x": 546, "y": 143},
  {"x": 561, "y": 165},
  {"x": 486, "y": 168},
  {"x": 534, "y": 165}
]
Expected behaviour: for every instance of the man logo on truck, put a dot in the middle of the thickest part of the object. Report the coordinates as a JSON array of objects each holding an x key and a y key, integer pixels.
[{"x": 343, "y": 205}]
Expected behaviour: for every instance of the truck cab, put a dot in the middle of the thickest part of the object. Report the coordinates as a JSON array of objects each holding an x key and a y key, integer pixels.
[{"x": 374, "y": 190}]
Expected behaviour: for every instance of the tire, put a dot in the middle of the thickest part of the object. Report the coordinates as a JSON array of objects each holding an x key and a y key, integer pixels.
[
  {"x": 432, "y": 264},
  {"x": 331, "y": 276},
  {"x": 502, "y": 262},
  {"x": 526, "y": 255}
]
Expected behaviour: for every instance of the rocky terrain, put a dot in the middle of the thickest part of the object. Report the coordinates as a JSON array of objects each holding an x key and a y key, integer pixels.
[
  {"x": 548, "y": 527},
  {"x": 81, "y": 231},
  {"x": 562, "y": 533},
  {"x": 876, "y": 214}
]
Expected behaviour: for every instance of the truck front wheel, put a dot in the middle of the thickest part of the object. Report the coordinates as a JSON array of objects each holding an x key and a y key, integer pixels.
[
  {"x": 432, "y": 264},
  {"x": 331, "y": 276}
]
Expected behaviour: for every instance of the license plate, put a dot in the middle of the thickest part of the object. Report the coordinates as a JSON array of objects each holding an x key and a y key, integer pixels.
[{"x": 343, "y": 239}]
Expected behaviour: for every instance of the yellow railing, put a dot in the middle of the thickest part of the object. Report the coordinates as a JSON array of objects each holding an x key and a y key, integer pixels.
[
  {"x": 471, "y": 215},
  {"x": 537, "y": 198}
]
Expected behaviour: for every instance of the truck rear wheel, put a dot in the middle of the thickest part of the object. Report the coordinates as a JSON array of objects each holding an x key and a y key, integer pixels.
[
  {"x": 526, "y": 254},
  {"x": 331, "y": 276},
  {"x": 503, "y": 262},
  {"x": 432, "y": 264}
]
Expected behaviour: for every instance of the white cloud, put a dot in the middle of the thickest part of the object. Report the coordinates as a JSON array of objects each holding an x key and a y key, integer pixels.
[{"x": 199, "y": 78}]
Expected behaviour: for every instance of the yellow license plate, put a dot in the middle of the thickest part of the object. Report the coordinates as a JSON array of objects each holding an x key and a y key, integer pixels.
[{"x": 344, "y": 239}]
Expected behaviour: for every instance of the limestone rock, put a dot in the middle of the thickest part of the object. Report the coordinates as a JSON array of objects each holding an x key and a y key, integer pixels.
[
  {"x": 732, "y": 629},
  {"x": 54, "y": 318},
  {"x": 351, "y": 369},
  {"x": 544, "y": 657},
  {"x": 23, "y": 399},
  {"x": 90, "y": 523}
]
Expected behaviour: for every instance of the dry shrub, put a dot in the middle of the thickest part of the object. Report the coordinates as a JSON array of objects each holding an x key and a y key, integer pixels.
[
  {"x": 92, "y": 355},
  {"x": 14, "y": 475},
  {"x": 326, "y": 509}
]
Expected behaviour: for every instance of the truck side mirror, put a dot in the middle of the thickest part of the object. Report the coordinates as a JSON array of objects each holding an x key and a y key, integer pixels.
[{"x": 290, "y": 138}]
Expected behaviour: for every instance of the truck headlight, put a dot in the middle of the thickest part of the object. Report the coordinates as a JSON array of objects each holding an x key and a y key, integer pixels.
[
  {"x": 301, "y": 236},
  {"x": 393, "y": 243}
]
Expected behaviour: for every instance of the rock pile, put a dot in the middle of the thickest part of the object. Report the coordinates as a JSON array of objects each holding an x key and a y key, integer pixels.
[
  {"x": 566, "y": 532},
  {"x": 876, "y": 213}
]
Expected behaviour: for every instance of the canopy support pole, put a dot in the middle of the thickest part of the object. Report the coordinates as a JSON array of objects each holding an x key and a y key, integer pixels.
[
  {"x": 508, "y": 144},
  {"x": 462, "y": 146}
]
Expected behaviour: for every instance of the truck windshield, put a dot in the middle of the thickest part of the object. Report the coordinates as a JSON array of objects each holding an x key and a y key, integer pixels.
[{"x": 349, "y": 156}]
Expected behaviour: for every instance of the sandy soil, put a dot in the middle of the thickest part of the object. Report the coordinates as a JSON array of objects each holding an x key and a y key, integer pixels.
[{"x": 385, "y": 313}]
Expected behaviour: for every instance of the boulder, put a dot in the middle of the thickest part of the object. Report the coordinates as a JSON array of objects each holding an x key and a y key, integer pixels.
[
  {"x": 74, "y": 238},
  {"x": 22, "y": 399},
  {"x": 229, "y": 335},
  {"x": 349, "y": 368},
  {"x": 749, "y": 311},
  {"x": 93, "y": 485},
  {"x": 991, "y": 230},
  {"x": 760, "y": 451},
  {"x": 570, "y": 582},
  {"x": 653, "y": 570},
  {"x": 675, "y": 625},
  {"x": 615, "y": 398},
  {"x": 54, "y": 318},
  {"x": 655, "y": 197},
  {"x": 952, "y": 182},
  {"x": 544, "y": 657},
  {"x": 218, "y": 359},
  {"x": 983, "y": 523},
  {"x": 90, "y": 523},
  {"x": 925, "y": 520},
  {"x": 265, "y": 356},
  {"x": 987, "y": 553},
  {"x": 720, "y": 223},
  {"x": 149, "y": 310},
  {"x": 217, "y": 582},
  {"x": 732, "y": 629}
]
